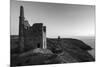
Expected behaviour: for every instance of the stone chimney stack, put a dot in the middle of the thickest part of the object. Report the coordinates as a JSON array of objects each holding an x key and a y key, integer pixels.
[
  {"x": 21, "y": 29},
  {"x": 44, "y": 38}
]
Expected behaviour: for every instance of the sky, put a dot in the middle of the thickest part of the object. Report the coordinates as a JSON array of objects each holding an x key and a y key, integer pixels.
[{"x": 60, "y": 19}]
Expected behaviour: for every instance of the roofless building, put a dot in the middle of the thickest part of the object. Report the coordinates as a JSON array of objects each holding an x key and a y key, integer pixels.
[{"x": 31, "y": 37}]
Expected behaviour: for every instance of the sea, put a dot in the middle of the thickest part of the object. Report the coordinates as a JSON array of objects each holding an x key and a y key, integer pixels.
[{"x": 89, "y": 40}]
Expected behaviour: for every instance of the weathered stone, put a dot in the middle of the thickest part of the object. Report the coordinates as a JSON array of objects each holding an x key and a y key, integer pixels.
[{"x": 30, "y": 37}]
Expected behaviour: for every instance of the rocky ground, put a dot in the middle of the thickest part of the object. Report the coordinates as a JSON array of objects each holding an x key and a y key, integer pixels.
[{"x": 67, "y": 51}]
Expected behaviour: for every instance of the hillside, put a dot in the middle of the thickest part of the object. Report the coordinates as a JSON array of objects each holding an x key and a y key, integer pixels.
[{"x": 68, "y": 50}]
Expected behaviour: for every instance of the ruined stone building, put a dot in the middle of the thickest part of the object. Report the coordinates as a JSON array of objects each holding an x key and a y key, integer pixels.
[{"x": 31, "y": 37}]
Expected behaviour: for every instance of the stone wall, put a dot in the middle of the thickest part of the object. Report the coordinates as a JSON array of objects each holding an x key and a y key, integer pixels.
[
  {"x": 33, "y": 37},
  {"x": 30, "y": 37}
]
